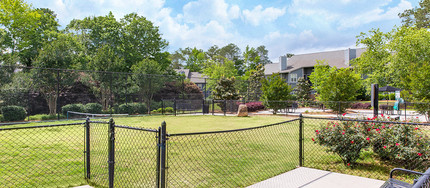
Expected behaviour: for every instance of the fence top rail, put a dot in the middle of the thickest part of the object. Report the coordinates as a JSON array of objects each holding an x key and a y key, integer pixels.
[
  {"x": 41, "y": 126},
  {"x": 136, "y": 128},
  {"x": 372, "y": 121},
  {"x": 100, "y": 122},
  {"x": 233, "y": 130},
  {"x": 89, "y": 114}
]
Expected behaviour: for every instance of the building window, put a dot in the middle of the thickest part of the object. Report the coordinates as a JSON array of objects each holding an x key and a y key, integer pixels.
[{"x": 293, "y": 78}]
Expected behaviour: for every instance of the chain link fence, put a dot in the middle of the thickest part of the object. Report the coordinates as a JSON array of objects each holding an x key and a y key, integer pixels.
[
  {"x": 42, "y": 156},
  {"x": 108, "y": 155}
]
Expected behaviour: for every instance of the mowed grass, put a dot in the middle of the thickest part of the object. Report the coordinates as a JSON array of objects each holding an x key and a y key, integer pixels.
[{"x": 52, "y": 157}]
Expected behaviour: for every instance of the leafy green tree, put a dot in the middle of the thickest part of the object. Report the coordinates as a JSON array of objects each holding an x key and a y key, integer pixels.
[
  {"x": 375, "y": 61},
  {"x": 303, "y": 90},
  {"x": 335, "y": 86},
  {"x": 275, "y": 92},
  {"x": 62, "y": 51},
  {"x": 251, "y": 58},
  {"x": 147, "y": 81},
  {"x": 418, "y": 16},
  {"x": 195, "y": 60},
  {"x": 217, "y": 70},
  {"x": 264, "y": 55},
  {"x": 224, "y": 90},
  {"x": 255, "y": 79}
]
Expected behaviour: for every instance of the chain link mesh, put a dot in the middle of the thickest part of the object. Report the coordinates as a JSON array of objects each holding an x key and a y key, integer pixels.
[
  {"x": 135, "y": 157},
  {"x": 371, "y": 151},
  {"x": 99, "y": 174},
  {"x": 232, "y": 159},
  {"x": 43, "y": 156}
]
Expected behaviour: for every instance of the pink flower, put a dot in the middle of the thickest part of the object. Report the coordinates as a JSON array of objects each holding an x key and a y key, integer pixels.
[
  {"x": 316, "y": 130},
  {"x": 419, "y": 154},
  {"x": 367, "y": 138},
  {"x": 369, "y": 119},
  {"x": 348, "y": 164},
  {"x": 352, "y": 141},
  {"x": 416, "y": 128},
  {"x": 344, "y": 114},
  {"x": 397, "y": 144},
  {"x": 385, "y": 147},
  {"x": 383, "y": 126},
  {"x": 313, "y": 139},
  {"x": 377, "y": 129},
  {"x": 343, "y": 132},
  {"x": 382, "y": 115}
]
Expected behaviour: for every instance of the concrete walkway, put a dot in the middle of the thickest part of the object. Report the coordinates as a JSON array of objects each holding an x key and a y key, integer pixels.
[{"x": 313, "y": 178}]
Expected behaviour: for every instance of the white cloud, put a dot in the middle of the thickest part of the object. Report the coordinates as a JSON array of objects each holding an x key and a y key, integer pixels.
[
  {"x": 258, "y": 15},
  {"x": 203, "y": 11},
  {"x": 377, "y": 14},
  {"x": 234, "y": 12}
]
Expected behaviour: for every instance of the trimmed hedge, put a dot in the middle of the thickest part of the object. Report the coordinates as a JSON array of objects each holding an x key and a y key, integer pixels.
[
  {"x": 93, "y": 108},
  {"x": 72, "y": 107},
  {"x": 13, "y": 113},
  {"x": 132, "y": 108}
]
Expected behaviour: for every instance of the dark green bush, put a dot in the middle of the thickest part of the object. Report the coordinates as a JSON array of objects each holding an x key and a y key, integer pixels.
[
  {"x": 155, "y": 105},
  {"x": 168, "y": 109},
  {"x": 13, "y": 113},
  {"x": 132, "y": 108},
  {"x": 72, "y": 107},
  {"x": 1, "y": 118},
  {"x": 93, "y": 108}
]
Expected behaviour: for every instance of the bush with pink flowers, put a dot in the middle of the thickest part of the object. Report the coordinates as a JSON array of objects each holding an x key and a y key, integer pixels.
[
  {"x": 254, "y": 106},
  {"x": 342, "y": 138},
  {"x": 403, "y": 144}
]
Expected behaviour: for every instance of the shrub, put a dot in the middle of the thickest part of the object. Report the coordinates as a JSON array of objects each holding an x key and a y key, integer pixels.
[
  {"x": 361, "y": 106},
  {"x": 72, "y": 107},
  {"x": 254, "y": 106},
  {"x": 132, "y": 108},
  {"x": 342, "y": 138},
  {"x": 93, "y": 108},
  {"x": 13, "y": 113},
  {"x": 405, "y": 144},
  {"x": 168, "y": 109},
  {"x": 44, "y": 117},
  {"x": 1, "y": 118},
  {"x": 125, "y": 109}
]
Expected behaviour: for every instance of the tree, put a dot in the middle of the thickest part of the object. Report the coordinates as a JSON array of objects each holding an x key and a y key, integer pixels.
[
  {"x": 303, "y": 89},
  {"x": 263, "y": 53},
  {"x": 275, "y": 92},
  {"x": 61, "y": 51},
  {"x": 24, "y": 29},
  {"x": 375, "y": 61},
  {"x": 224, "y": 90},
  {"x": 251, "y": 58},
  {"x": 335, "y": 86},
  {"x": 217, "y": 70},
  {"x": 195, "y": 60},
  {"x": 418, "y": 16},
  {"x": 147, "y": 79},
  {"x": 255, "y": 80}
]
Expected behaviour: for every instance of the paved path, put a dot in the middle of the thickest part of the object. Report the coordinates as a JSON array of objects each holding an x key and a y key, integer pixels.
[{"x": 313, "y": 178}]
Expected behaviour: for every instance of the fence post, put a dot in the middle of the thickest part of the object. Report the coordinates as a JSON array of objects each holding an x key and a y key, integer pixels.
[
  {"x": 301, "y": 140},
  {"x": 203, "y": 106},
  {"x": 87, "y": 148},
  {"x": 162, "y": 146},
  {"x": 158, "y": 156},
  {"x": 225, "y": 107},
  {"x": 174, "y": 106},
  {"x": 58, "y": 95},
  {"x": 162, "y": 107},
  {"x": 213, "y": 107},
  {"x": 111, "y": 150}
]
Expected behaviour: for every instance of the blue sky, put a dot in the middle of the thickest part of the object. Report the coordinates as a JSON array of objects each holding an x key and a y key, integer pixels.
[{"x": 283, "y": 26}]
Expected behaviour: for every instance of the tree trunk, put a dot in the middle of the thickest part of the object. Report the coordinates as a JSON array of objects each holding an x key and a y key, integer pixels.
[
  {"x": 52, "y": 103},
  {"x": 105, "y": 98}
]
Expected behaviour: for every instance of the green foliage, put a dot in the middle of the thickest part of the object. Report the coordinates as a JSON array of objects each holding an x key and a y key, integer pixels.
[
  {"x": 42, "y": 117},
  {"x": 255, "y": 79},
  {"x": 1, "y": 118},
  {"x": 303, "y": 90},
  {"x": 72, "y": 107},
  {"x": 417, "y": 16},
  {"x": 13, "y": 113},
  {"x": 332, "y": 84},
  {"x": 166, "y": 110},
  {"x": 217, "y": 70},
  {"x": 132, "y": 108},
  {"x": 93, "y": 108},
  {"x": 275, "y": 89},
  {"x": 342, "y": 138},
  {"x": 225, "y": 90},
  {"x": 405, "y": 145}
]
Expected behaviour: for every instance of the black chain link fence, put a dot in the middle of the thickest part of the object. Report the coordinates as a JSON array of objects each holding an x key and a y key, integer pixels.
[
  {"x": 108, "y": 155},
  {"x": 42, "y": 156},
  {"x": 368, "y": 148},
  {"x": 236, "y": 158}
]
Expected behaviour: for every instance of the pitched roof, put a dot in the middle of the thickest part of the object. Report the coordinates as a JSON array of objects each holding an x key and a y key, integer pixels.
[
  {"x": 271, "y": 68},
  {"x": 338, "y": 58}
]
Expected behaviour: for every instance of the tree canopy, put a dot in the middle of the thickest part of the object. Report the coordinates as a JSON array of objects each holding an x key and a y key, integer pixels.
[{"x": 419, "y": 16}]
